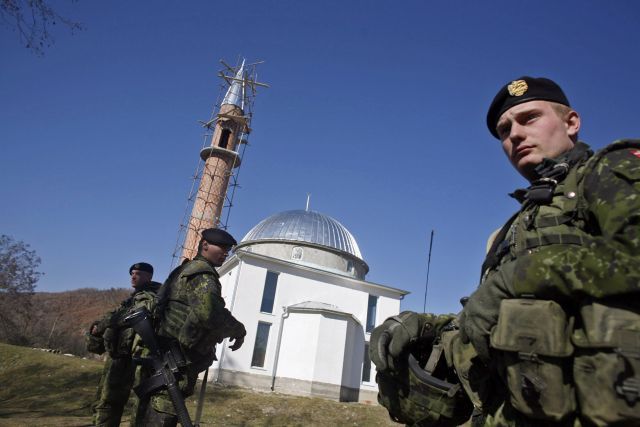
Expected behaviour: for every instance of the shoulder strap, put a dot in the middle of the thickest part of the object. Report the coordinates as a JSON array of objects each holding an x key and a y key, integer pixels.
[
  {"x": 165, "y": 291},
  {"x": 494, "y": 255}
]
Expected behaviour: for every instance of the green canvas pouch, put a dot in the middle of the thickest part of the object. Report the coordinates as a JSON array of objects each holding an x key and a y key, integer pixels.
[
  {"x": 607, "y": 365},
  {"x": 534, "y": 357},
  {"x": 125, "y": 343},
  {"x": 110, "y": 338}
]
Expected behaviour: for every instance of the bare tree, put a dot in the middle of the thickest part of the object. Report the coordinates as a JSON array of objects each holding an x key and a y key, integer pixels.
[
  {"x": 33, "y": 21},
  {"x": 18, "y": 277}
]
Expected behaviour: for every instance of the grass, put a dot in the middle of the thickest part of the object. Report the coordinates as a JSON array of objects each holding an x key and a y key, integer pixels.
[{"x": 44, "y": 389}]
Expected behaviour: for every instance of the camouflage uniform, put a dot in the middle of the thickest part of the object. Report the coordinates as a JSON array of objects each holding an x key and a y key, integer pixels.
[
  {"x": 196, "y": 318},
  {"x": 554, "y": 324},
  {"x": 119, "y": 369}
]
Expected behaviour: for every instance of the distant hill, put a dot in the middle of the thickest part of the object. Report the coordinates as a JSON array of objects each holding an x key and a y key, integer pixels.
[
  {"x": 69, "y": 314},
  {"x": 59, "y": 320},
  {"x": 44, "y": 389}
]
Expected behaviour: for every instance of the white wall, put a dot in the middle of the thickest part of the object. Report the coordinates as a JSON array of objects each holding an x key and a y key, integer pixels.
[
  {"x": 295, "y": 286},
  {"x": 353, "y": 355},
  {"x": 330, "y": 352},
  {"x": 299, "y": 346}
]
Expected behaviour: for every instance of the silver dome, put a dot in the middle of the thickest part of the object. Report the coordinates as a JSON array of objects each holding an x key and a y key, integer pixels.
[{"x": 305, "y": 226}]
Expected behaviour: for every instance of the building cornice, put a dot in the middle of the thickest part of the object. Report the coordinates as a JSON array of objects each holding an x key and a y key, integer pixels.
[
  {"x": 244, "y": 255},
  {"x": 298, "y": 308}
]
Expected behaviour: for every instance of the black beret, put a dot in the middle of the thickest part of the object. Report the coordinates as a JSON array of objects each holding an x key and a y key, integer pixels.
[
  {"x": 142, "y": 266},
  {"x": 522, "y": 90},
  {"x": 219, "y": 237}
]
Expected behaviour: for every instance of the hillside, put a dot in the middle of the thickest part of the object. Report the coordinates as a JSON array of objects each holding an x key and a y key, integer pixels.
[
  {"x": 67, "y": 315},
  {"x": 58, "y": 320},
  {"x": 45, "y": 389}
]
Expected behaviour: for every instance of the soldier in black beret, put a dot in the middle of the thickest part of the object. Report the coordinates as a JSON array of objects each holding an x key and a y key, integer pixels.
[
  {"x": 523, "y": 90},
  {"x": 142, "y": 266},
  {"x": 191, "y": 315},
  {"x": 217, "y": 236},
  {"x": 215, "y": 245},
  {"x": 108, "y": 334},
  {"x": 534, "y": 120},
  {"x": 566, "y": 262}
]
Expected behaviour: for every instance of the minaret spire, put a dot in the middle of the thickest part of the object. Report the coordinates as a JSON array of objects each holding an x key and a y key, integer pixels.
[
  {"x": 235, "y": 93},
  {"x": 230, "y": 128}
]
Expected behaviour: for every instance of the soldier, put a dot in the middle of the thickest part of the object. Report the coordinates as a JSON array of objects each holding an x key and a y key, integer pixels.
[
  {"x": 191, "y": 319},
  {"x": 551, "y": 336},
  {"x": 108, "y": 334}
]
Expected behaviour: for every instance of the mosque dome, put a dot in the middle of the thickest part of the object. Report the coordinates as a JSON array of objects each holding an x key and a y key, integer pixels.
[{"x": 307, "y": 237}]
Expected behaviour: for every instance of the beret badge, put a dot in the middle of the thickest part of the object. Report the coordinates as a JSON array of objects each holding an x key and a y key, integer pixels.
[{"x": 517, "y": 88}]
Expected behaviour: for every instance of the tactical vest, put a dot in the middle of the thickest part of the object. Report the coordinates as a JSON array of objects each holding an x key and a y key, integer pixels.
[
  {"x": 560, "y": 361},
  {"x": 559, "y": 221},
  {"x": 119, "y": 341},
  {"x": 178, "y": 320}
]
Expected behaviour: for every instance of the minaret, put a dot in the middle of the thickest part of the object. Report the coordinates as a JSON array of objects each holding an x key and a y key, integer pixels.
[{"x": 230, "y": 127}]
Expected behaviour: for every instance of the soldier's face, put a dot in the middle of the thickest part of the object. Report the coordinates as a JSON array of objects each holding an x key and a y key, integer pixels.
[
  {"x": 533, "y": 131},
  {"x": 215, "y": 254},
  {"x": 140, "y": 278}
]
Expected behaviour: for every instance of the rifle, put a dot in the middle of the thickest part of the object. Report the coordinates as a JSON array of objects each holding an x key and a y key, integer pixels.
[{"x": 164, "y": 363}]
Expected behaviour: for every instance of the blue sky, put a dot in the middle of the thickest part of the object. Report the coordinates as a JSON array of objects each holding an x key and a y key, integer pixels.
[{"x": 375, "y": 108}]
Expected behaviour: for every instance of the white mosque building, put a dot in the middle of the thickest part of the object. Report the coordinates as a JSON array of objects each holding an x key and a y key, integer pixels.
[{"x": 297, "y": 282}]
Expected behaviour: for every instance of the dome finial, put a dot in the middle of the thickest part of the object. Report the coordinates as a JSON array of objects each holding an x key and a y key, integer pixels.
[{"x": 308, "y": 201}]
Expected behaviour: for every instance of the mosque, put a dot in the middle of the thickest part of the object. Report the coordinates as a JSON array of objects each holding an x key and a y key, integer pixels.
[{"x": 296, "y": 280}]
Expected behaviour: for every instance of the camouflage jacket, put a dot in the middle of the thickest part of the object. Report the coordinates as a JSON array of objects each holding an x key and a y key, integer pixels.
[
  {"x": 118, "y": 341},
  {"x": 578, "y": 245},
  {"x": 195, "y": 313}
]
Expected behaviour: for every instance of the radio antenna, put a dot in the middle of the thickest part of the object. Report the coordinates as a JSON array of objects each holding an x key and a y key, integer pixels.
[{"x": 426, "y": 286}]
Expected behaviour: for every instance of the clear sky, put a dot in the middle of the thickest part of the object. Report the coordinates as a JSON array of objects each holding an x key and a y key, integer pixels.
[{"x": 376, "y": 108}]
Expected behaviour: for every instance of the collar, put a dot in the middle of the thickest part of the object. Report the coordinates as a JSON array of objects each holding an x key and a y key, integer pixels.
[
  {"x": 148, "y": 287},
  {"x": 550, "y": 172},
  {"x": 201, "y": 258}
]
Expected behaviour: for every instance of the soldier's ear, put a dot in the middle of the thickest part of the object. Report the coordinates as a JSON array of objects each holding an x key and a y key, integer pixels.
[{"x": 572, "y": 122}]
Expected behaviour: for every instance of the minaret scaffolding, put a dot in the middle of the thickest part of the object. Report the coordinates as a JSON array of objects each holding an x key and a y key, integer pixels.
[{"x": 216, "y": 177}]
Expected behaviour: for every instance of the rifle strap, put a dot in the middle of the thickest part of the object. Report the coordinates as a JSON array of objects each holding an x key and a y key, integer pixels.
[{"x": 203, "y": 388}]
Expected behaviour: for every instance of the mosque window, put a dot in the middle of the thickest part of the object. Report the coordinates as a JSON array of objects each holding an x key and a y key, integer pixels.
[
  {"x": 260, "y": 346},
  {"x": 372, "y": 307},
  {"x": 366, "y": 366},
  {"x": 296, "y": 253},
  {"x": 269, "y": 292},
  {"x": 224, "y": 138}
]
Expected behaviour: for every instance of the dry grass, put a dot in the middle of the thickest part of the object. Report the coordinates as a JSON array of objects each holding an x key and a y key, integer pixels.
[{"x": 44, "y": 389}]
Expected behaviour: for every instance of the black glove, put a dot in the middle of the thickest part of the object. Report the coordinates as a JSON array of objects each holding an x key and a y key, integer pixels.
[
  {"x": 238, "y": 339},
  {"x": 397, "y": 334},
  {"x": 237, "y": 343}
]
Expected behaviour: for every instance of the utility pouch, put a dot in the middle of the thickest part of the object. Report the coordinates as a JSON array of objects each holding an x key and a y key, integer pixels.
[
  {"x": 607, "y": 365},
  {"x": 125, "y": 343},
  {"x": 533, "y": 337},
  {"x": 110, "y": 338}
]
